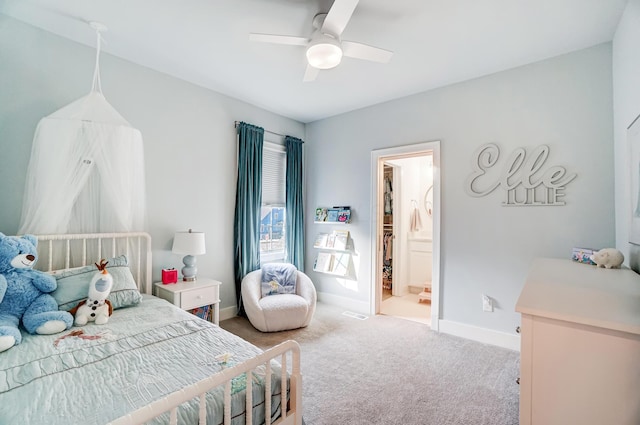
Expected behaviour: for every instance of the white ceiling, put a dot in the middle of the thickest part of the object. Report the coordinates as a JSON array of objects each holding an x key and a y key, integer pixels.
[{"x": 435, "y": 43}]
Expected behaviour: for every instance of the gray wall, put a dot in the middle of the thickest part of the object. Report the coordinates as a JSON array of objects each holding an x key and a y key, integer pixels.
[
  {"x": 565, "y": 102},
  {"x": 626, "y": 91},
  {"x": 188, "y": 131},
  {"x": 190, "y": 149}
]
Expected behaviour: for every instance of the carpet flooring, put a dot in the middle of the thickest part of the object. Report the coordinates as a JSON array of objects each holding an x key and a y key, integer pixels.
[{"x": 387, "y": 370}]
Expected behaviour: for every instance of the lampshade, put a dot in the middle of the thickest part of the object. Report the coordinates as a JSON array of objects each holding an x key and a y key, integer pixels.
[
  {"x": 190, "y": 242},
  {"x": 324, "y": 52}
]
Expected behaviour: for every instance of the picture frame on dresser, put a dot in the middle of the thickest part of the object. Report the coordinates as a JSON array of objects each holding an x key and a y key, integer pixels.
[{"x": 633, "y": 139}]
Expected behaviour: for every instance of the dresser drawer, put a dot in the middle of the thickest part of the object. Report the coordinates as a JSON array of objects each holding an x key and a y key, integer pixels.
[{"x": 198, "y": 297}]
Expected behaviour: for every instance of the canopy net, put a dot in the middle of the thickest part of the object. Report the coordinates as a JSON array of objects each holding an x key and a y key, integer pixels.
[{"x": 86, "y": 171}]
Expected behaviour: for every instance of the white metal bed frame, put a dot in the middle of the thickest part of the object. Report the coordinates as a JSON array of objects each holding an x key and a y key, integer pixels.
[
  {"x": 72, "y": 250},
  {"x": 61, "y": 252}
]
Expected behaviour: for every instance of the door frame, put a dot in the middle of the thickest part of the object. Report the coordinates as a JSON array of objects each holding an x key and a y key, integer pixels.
[{"x": 378, "y": 156}]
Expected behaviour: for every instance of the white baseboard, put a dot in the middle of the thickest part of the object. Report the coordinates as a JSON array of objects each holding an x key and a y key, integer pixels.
[
  {"x": 361, "y": 307},
  {"x": 343, "y": 302},
  {"x": 228, "y": 313},
  {"x": 475, "y": 333}
]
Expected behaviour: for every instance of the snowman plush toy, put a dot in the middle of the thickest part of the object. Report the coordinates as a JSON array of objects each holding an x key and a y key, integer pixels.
[{"x": 97, "y": 308}]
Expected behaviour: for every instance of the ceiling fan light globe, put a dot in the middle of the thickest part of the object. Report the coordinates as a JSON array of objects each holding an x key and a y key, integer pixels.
[{"x": 324, "y": 55}]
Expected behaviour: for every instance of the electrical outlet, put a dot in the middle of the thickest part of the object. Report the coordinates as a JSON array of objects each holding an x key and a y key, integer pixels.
[{"x": 487, "y": 303}]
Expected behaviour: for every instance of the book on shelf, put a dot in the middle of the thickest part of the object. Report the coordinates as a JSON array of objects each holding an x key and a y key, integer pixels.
[
  {"x": 344, "y": 216},
  {"x": 332, "y": 215},
  {"x": 341, "y": 239},
  {"x": 341, "y": 263},
  {"x": 201, "y": 312},
  {"x": 331, "y": 240},
  {"x": 321, "y": 214},
  {"x": 321, "y": 240},
  {"x": 323, "y": 262}
]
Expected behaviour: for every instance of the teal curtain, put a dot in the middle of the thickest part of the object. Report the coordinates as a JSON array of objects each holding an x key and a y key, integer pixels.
[
  {"x": 246, "y": 228},
  {"x": 294, "y": 232}
]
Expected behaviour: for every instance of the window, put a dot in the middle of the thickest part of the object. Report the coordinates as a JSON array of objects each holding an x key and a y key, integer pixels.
[{"x": 272, "y": 215}]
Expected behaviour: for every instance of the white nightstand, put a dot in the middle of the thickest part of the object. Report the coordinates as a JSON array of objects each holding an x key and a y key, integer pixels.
[{"x": 190, "y": 295}]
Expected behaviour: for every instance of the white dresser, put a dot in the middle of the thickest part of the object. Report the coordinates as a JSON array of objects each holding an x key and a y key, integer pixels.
[{"x": 580, "y": 345}]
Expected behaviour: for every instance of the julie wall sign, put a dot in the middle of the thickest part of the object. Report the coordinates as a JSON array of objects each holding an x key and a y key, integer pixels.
[{"x": 524, "y": 177}]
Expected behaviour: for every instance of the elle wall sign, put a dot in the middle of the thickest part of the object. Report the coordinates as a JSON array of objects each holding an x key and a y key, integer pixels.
[{"x": 524, "y": 177}]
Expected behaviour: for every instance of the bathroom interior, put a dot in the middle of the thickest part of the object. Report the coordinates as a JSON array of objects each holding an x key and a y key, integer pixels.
[{"x": 407, "y": 238}]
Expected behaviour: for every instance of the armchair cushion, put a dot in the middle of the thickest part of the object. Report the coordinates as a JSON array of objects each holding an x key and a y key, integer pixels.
[{"x": 278, "y": 278}]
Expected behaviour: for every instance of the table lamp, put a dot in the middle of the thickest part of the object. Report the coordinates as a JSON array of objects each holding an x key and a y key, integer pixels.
[{"x": 190, "y": 243}]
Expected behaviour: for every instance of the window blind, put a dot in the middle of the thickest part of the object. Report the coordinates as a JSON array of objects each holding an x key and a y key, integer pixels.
[{"x": 274, "y": 162}]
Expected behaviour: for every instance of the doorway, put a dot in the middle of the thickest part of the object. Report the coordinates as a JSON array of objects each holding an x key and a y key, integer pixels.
[{"x": 406, "y": 224}]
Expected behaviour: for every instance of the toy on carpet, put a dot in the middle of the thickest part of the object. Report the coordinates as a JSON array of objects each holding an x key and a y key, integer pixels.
[
  {"x": 609, "y": 258},
  {"x": 97, "y": 308},
  {"x": 24, "y": 293}
]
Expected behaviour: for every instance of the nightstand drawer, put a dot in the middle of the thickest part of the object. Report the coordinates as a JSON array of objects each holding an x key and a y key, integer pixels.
[
  {"x": 190, "y": 295},
  {"x": 198, "y": 297}
]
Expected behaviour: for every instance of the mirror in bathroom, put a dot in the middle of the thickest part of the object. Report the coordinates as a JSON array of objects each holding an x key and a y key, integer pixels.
[{"x": 428, "y": 201}]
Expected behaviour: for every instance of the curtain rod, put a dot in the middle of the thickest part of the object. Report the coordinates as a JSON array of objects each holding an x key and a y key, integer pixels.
[{"x": 235, "y": 124}]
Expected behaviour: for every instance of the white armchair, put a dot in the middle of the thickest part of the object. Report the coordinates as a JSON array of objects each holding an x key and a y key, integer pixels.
[{"x": 280, "y": 312}]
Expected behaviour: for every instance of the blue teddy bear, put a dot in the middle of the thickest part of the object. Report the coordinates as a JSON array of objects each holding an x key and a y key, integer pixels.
[{"x": 24, "y": 293}]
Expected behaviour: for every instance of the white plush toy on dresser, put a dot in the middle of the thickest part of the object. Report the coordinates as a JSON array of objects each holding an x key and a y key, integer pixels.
[
  {"x": 609, "y": 258},
  {"x": 97, "y": 308}
]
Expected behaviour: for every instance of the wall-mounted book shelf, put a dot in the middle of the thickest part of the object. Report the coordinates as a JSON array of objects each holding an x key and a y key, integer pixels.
[
  {"x": 335, "y": 253},
  {"x": 335, "y": 263},
  {"x": 338, "y": 240},
  {"x": 333, "y": 215}
]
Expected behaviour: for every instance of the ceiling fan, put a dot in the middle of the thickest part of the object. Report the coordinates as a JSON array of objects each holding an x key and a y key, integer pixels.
[{"x": 325, "y": 49}]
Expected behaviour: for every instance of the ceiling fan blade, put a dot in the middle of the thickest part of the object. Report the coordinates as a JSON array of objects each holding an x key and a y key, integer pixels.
[
  {"x": 279, "y": 39},
  {"x": 338, "y": 17},
  {"x": 310, "y": 74},
  {"x": 365, "y": 52}
]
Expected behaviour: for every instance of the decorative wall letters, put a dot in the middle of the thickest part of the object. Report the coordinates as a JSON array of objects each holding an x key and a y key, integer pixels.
[{"x": 523, "y": 178}]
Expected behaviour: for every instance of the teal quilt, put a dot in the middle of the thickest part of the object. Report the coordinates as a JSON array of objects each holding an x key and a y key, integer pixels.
[{"x": 96, "y": 373}]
